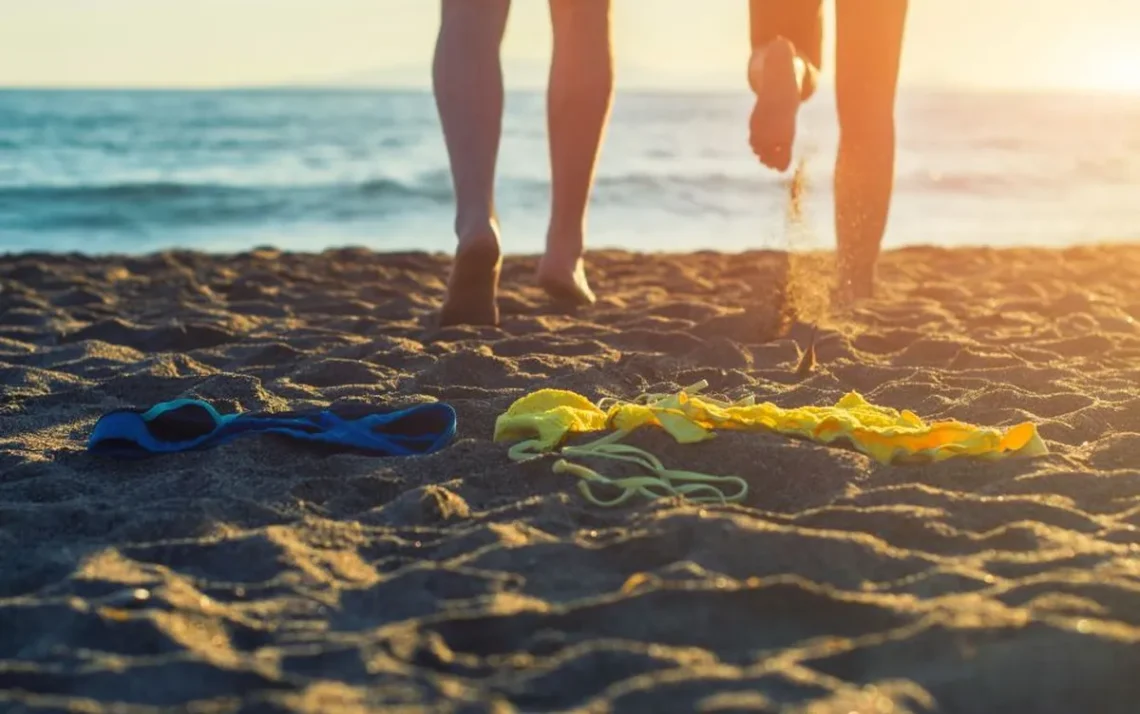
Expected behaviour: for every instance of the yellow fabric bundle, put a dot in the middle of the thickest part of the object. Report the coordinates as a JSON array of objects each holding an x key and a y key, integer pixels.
[
  {"x": 544, "y": 419},
  {"x": 548, "y": 416}
]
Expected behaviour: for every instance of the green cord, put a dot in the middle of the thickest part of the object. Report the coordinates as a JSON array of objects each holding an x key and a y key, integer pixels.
[{"x": 660, "y": 483}]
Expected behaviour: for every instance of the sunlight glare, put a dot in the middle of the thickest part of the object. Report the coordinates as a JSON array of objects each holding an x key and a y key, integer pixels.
[{"x": 1114, "y": 72}]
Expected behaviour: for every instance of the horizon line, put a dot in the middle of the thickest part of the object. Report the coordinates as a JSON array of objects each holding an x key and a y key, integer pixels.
[{"x": 827, "y": 85}]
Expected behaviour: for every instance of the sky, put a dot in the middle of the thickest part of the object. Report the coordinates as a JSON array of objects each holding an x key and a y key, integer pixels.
[{"x": 998, "y": 44}]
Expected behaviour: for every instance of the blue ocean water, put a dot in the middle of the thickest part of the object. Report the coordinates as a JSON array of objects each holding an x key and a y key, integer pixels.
[{"x": 125, "y": 171}]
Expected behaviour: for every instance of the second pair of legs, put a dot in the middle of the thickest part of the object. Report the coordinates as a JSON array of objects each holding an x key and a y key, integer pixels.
[
  {"x": 787, "y": 54},
  {"x": 468, "y": 81}
]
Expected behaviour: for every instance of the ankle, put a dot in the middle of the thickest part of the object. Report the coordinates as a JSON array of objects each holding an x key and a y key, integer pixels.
[
  {"x": 477, "y": 231},
  {"x": 565, "y": 246}
]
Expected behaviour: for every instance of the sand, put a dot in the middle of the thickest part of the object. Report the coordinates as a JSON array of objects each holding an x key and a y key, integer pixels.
[{"x": 263, "y": 576}]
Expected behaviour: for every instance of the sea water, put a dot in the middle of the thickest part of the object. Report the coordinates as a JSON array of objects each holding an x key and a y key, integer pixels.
[{"x": 137, "y": 171}]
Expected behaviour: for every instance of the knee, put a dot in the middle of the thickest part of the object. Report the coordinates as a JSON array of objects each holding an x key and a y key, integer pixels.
[
  {"x": 583, "y": 58},
  {"x": 585, "y": 22},
  {"x": 473, "y": 21},
  {"x": 598, "y": 10}
]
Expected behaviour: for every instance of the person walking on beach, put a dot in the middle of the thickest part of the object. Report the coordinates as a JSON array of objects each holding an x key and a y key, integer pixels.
[
  {"x": 787, "y": 49},
  {"x": 468, "y": 83}
]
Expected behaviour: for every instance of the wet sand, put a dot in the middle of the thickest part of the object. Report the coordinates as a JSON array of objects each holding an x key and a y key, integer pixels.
[{"x": 263, "y": 576}]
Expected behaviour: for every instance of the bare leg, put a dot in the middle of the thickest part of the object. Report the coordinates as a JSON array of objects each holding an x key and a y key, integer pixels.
[
  {"x": 783, "y": 70},
  {"x": 468, "y": 82},
  {"x": 868, "y": 52},
  {"x": 578, "y": 107}
]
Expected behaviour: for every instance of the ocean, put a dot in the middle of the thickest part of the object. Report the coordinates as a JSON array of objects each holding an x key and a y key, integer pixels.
[{"x": 138, "y": 171}]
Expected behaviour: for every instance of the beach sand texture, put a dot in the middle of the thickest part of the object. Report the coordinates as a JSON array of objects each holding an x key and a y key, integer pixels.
[{"x": 264, "y": 576}]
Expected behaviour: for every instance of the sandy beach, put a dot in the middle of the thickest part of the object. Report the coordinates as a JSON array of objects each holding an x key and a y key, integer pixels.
[{"x": 268, "y": 576}]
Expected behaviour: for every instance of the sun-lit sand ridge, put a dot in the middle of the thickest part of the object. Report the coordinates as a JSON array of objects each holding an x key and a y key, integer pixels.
[{"x": 266, "y": 576}]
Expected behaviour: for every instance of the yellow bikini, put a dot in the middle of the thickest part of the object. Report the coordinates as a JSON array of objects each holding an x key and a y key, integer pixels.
[{"x": 543, "y": 420}]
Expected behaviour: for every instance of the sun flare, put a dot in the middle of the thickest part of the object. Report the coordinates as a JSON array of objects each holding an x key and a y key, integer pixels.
[{"x": 1114, "y": 72}]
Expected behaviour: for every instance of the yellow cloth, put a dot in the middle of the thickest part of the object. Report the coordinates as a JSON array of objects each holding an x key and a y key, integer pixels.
[
  {"x": 543, "y": 420},
  {"x": 547, "y": 417}
]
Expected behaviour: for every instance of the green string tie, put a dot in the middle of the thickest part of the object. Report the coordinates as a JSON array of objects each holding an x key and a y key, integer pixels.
[{"x": 659, "y": 482}]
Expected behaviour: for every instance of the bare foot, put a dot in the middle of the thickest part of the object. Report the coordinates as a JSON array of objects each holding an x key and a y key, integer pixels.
[
  {"x": 776, "y": 75},
  {"x": 474, "y": 283},
  {"x": 564, "y": 280}
]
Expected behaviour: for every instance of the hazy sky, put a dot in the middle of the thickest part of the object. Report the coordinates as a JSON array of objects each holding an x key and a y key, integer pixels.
[{"x": 994, "y": 43}]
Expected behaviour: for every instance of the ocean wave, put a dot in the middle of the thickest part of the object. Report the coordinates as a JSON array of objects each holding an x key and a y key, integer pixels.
[
  {"x": 1008, "y": 184},
  {"x": 150, "y": 205},
  {"x": 436, "y": 187},
  {"x": 144, "y": 191},
  {"x": 107, "y": 192}
]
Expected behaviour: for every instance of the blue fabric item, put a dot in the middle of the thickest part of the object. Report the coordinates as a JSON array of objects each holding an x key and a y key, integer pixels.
[{"x": 188, "y": 424}]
